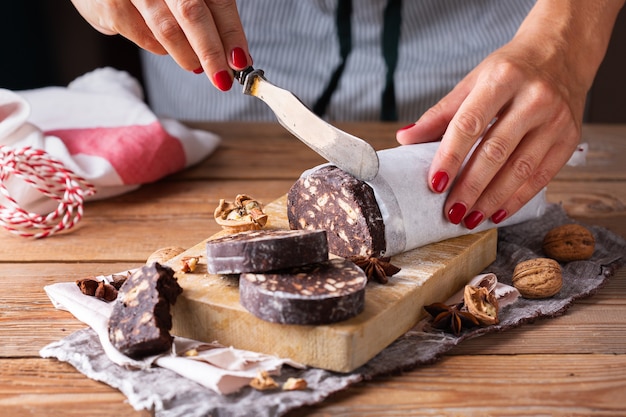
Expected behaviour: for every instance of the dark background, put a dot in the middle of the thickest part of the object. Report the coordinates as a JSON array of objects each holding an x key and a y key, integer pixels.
[{"x": 46, "y": 42}]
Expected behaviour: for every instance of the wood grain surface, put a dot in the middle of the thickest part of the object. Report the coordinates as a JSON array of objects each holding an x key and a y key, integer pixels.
[
  {"x": 210, "y": 304},
  {"x": 573, "y": 365}
]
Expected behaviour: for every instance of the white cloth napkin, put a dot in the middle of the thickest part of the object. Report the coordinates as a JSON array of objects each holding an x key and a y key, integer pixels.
[
  {"x": 100, "y": 130},
  {"x": 224, "y": 370}
]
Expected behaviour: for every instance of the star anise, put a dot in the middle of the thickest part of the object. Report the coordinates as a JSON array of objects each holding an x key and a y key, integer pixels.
[
  {"x": 376, "y": 268},
  {"x": 451, "y": 318}
]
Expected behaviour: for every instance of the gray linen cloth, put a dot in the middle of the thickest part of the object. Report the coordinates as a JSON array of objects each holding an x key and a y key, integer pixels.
[{"x": 152, "y": 389}]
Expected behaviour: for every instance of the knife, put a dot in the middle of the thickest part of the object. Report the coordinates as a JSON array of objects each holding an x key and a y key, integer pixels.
[{"x": 351, "y": 154}]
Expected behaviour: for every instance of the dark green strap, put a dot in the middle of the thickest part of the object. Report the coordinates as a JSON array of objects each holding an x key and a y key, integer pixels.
[
  {"x": 344, "y": 34},
  {"x": 390, "y": 45}
]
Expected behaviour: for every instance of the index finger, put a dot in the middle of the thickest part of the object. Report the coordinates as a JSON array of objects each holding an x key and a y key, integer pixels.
[
  {"x": 482, "y": 105},
  {"x": 212, "y": 29},
  {"x": 229, "y": 26}
]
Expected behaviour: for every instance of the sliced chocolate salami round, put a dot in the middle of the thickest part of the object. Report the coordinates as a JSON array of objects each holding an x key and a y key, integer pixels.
[
  {"x": 333, "y": 200},
  {"x": 321, "y": 293},
  {"x": 265, "y": 250}
]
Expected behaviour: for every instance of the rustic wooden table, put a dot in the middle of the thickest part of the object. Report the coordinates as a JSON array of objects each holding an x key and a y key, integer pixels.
[{"x": 571, "y": 365}]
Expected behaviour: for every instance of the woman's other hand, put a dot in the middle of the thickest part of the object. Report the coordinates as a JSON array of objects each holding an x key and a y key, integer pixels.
[{"x": 533, "y": 90}]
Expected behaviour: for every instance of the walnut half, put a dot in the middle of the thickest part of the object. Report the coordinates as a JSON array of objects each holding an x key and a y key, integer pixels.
[
  {"x": 245, "y": 213},
  {"x": 482, "y": 304}
]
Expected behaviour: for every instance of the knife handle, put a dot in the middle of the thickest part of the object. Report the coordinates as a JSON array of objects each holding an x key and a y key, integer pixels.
[{"x": 246, "y": 78}]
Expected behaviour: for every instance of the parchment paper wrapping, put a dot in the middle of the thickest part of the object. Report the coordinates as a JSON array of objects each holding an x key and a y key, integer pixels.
[{"x": 413, "y": 214}]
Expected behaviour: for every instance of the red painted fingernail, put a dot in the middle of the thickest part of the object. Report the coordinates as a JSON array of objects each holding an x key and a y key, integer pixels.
[
  {"x": 223, "y": 80},
  {"x": 198, "y": 70},
  {"x": 239, "y": 58},
  {"x": 439, "y": 181},
  {"x": 456, "y": 213},
  {"x": 406, "y": 127},
  {"x": 473, "y": 219},
  {"x": 498, "y": 216}
]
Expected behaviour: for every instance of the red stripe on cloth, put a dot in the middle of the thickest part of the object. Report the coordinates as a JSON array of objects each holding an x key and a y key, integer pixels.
[{"x": 139, "y": 153}]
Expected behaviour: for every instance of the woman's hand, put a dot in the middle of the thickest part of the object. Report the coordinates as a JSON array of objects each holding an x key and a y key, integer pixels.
[
  {"x": 533, "y": 90},
  {"x": 200, "y": 35}
]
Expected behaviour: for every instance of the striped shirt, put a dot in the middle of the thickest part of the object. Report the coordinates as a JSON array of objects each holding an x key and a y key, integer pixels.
[{"x": 347, "y": 59}]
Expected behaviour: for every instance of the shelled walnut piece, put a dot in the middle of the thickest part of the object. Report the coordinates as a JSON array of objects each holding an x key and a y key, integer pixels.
[
  {"x": 263, "y": 382},
  {"x": 295, "y": 384},
  {"x": 163, "y": 255},
  {"x": 189, "y": 263},
  {"x": 245, "y": 213}
]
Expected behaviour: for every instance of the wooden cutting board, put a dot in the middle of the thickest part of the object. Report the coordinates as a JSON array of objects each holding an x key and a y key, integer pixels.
[{"x": 209, "y": 309}]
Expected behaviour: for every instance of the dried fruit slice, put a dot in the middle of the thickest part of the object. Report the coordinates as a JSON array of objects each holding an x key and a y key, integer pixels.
[
  {"x": 320, "y": 293},
  {"x": 265, "y": 250}
]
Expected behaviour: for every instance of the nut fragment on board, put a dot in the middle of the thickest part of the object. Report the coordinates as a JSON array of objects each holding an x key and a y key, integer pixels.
[
  {"x": 569, "y": 242},
  {"x": 482, "y": 304},
  {"x": 164, "y": 254},
  {"x": 189, "y": 263},
  {"x": 263, "y": 382},
  {"x": 245, "y": 213},
  {"x": 538, "y": 278}
]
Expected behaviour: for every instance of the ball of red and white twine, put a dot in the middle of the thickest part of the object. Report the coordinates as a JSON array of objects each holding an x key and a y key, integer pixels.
[{"x": 50, "y": 177}]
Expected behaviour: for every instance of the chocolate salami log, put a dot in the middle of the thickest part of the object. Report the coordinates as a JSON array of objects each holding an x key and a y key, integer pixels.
[
  {"x": 140, "y": 322},
  {"x": 265, "y": 250},
  {"x": 393, "y": 213},
  {"x": 320, "y": 293}
]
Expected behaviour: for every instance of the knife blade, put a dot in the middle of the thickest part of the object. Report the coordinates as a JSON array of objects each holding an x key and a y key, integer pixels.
[{"x": 348, "y": 152}]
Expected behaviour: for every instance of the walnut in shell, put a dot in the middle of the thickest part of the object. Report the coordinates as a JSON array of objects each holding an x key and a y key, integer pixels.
[
  {"x": 164, "y": 254},
  {"x": 538, "y": 278},
  {"x": 245, "y": 213},
  {"x": 569, "y": 242},
  {"x": 482, "y": 304}
]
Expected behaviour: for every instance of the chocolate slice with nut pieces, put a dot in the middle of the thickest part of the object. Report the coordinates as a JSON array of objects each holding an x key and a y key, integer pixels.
[
  {"x": 140, "y": 322},
  {"x": 321, "y": 293},
  {"x": 333, "y": 200},
  {"x": 265, "y": 250}
]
